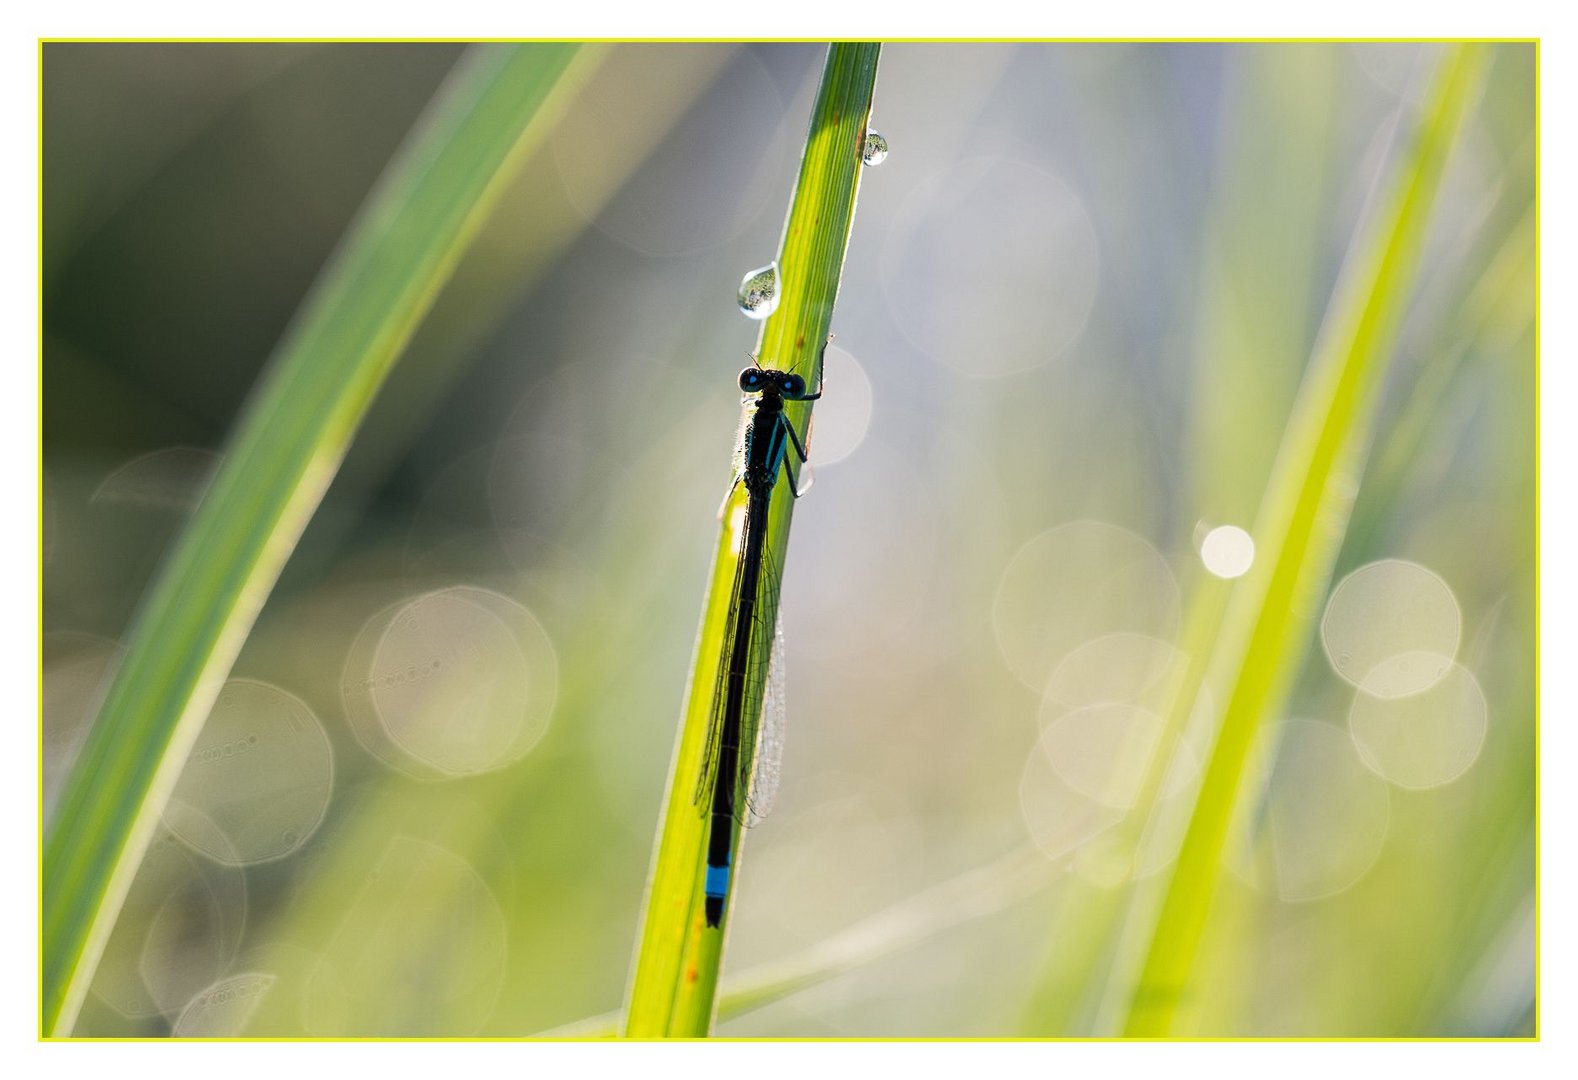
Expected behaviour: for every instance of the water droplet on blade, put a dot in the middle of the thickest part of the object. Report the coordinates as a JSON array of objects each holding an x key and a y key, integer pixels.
[
  {"x": 759, "y": 291},
  {"x": 875, "y": 152}
]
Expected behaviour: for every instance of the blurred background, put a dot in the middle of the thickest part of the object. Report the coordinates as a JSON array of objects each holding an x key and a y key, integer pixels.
[{"x": 1079, "y": 299}]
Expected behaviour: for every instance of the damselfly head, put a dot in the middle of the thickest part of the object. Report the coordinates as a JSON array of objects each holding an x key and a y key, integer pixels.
[{"x": 785, "y": 384}]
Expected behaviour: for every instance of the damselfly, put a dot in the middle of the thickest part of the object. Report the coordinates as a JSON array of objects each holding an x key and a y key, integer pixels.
[{"x": 745, "y": 730}]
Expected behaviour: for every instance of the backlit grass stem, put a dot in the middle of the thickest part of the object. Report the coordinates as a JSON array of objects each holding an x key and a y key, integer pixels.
[
  {"x": 1303, "y": 517},
  {"x": 674, "y": 982}
]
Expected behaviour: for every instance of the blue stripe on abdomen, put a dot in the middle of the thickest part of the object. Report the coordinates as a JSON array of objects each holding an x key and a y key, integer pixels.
[{"x": 717, "y": 881}]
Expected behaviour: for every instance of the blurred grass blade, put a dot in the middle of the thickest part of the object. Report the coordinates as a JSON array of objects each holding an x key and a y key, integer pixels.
[
  {"x": 975, "y": 894},
  {"x": 397, "y": 255},
  {"x": 675, "y": 976},
  {"x": 1302, "y": 520}
]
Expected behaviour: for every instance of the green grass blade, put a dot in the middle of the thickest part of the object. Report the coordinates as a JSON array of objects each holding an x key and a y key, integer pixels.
[
  {"x": 675, "y": 977},
  {"x": 1302, "y": 520},
  {"x": 396, "y": 257}
]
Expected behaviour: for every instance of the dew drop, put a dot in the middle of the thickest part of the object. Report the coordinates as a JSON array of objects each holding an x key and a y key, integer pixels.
[
  {"x": 759, "y": 291},
  {"x": 875, "y": 152}
]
